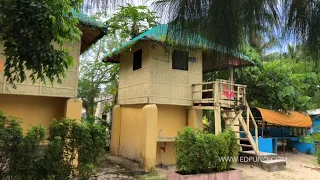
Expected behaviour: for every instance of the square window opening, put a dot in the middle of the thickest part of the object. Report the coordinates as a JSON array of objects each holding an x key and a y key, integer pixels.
[{"x": 180, "y": 60}]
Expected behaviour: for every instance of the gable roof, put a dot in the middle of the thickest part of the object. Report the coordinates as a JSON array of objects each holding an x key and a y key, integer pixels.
[
  {"x": 92, "y": 30},
  {"x": 159, "y": 34}
]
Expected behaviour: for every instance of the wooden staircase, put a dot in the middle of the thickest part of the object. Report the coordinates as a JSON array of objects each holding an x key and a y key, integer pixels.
[
  {"x": 228, "y": 100},
  {"x": 240, "y": 120}
]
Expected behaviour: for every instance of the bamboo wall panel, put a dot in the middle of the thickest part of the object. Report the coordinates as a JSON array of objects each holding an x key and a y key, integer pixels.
[
  {"x": 134, "y": 86},
  {"x": 68, "y": 87},
  {"x": 171, "y": 86}
]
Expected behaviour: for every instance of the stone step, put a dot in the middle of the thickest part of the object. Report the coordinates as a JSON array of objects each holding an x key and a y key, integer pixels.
[
  {"x": 273, "y": 165},
  {"x": 262, "y": 155},
  {"x": 267, "y": 161}
]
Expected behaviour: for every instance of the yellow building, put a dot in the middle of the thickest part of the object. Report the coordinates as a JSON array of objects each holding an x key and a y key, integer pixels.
[
  {"x": 38, "y": 103},
  {"x": 161, "y": 92}
]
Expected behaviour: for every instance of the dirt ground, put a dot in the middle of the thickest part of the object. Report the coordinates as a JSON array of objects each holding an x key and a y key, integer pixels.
[
  {"x": 117, "y": 168},
  {"x": 299, "y": 166}
]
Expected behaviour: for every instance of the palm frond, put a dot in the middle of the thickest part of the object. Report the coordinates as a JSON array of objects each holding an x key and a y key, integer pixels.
[
  {"x": 303, "y": 21},
  {"x": 223, "y": 22}
]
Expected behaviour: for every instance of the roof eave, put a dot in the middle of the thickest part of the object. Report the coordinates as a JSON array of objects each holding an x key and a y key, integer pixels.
[{"x": 90, "y": 35}]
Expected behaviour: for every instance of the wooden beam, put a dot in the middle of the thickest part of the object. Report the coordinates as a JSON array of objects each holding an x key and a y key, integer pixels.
[
  {"x": 206, "y": 90},
  {"x": 217, "y": 121},
  {"x": 204, "y": 83},
  {"x": 249, "y": 136},
  {"x": 206, "y": 107}
]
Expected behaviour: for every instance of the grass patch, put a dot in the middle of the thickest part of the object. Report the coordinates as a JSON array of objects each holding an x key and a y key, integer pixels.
[{"x": 152, "y": 175}]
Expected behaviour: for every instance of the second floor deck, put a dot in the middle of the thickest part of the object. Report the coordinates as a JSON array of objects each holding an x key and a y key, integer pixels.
[{"x": 221, "y": 93}]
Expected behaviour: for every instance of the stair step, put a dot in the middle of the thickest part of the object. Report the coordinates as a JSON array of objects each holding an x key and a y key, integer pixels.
[
  {"x": 243, "y": 139},
  {"x": 228, "y": 118},
  {"x": 245, "y": 145},
  {"x": 228, "y": 110},
  {"x": 240, "y": 132}
]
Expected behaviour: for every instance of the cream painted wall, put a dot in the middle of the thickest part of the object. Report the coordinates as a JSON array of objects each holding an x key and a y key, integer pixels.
[
  {"x": 33, "y": 110},
  {"x": 131, "y": 135},
  {"x": 131, "y": 132},
  {"x": 171, "y": 119},
  {"x": 68, "y": 88},
  {"x": 134, "y": 85}
]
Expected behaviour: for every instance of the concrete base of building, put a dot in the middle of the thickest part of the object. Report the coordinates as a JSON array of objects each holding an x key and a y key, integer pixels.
[
  {"x": 145, "y": 133},
  {"x": 227, "y": 175}
]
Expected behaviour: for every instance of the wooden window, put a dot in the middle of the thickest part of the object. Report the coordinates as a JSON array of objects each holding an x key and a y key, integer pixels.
[
  {"x": 180, "y": 60},
  {"x": 137, "y": 59}
]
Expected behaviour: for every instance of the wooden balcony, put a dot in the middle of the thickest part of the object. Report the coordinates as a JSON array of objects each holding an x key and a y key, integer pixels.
[{"x": 219, "y": 93}]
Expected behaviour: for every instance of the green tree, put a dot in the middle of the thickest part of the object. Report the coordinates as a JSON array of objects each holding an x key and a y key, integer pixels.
[
  {"x": 29, "y": 30},
  {"x": 97, "y": 77},
  {"x": 94, "y": 75},
  {"x": 275, "y": 87},
  {"x": 130, "y": 21},
  {"x": 28, "y": 27},
  {"x": 229, "y": 22},
  {"x": 284, "y": 84}
]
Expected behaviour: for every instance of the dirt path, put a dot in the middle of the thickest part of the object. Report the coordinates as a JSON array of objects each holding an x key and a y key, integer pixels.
[
  {"x": 109, "y": 170},
  {"x": 299, "y": 166},
  {"x": 117, "y": 168}
]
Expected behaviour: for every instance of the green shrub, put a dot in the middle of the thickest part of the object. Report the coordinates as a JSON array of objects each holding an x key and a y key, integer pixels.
[
  {"x": 313, "y": 138},
  {"x": 23, "y": 156},
  {"x": 106, "y": 125},
  {"x": 200, "y": 152},
  {"x": 318, "y": 155},
  {"x": 20, "y": 155}
]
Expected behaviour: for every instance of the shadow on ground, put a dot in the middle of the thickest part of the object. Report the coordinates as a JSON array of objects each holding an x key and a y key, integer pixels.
[{"x": 117, "y": 168}]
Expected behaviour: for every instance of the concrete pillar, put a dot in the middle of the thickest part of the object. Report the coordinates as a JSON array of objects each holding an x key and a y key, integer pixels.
[
  {"x": 73, "y": 108},
  {"x": 149, "y": 137},
  {"x": 115, "y": 130},
  {"x": 217, "y": 121},
  {"x": 195, "y": 118}
]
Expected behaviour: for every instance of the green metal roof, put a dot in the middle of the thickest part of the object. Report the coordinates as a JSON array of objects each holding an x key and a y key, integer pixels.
[
  {"x": 159, "y": 33},
  {"x": 89, "y": 21},
  {"x": 92, "y": 30}
]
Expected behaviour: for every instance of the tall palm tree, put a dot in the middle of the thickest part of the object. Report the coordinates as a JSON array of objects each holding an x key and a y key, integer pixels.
[{"x": 229, "y": 22}]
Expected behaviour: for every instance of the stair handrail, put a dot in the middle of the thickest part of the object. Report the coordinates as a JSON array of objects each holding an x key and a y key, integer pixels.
[{"x": 254, "y": 123}]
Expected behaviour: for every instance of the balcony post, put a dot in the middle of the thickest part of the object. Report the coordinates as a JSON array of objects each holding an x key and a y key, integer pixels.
[
  {"x": 217, "y": 121},
  {"x": 231, "y": 72}
]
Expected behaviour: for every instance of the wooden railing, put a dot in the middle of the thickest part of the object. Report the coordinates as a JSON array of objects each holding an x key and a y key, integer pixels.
[
  {"x": 245, "y": 122},
  {"x": 223, "y": 93},
  {"x": 251, "y": 117}
]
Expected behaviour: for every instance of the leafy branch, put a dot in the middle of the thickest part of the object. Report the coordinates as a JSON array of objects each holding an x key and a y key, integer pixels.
[{"x": 34, "y": 33}]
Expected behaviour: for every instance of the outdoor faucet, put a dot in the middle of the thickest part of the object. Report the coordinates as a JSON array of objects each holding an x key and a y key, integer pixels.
[{"x": 160, "y": 132}]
